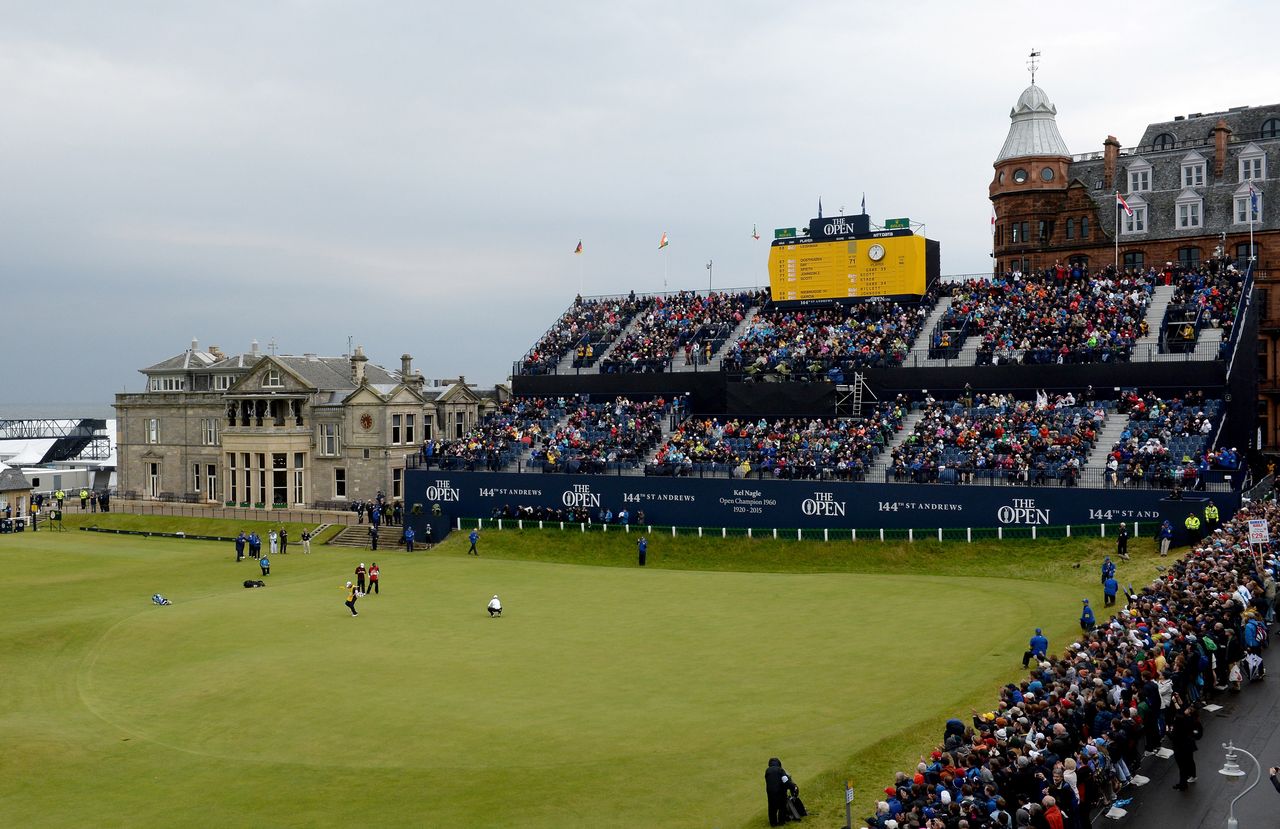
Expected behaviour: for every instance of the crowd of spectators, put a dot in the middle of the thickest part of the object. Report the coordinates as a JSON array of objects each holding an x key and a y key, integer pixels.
[
  {"x": 1016, "y": 440},
  {"x": 1208, "y": 295},
  {"x": 588, "y": 324},
  {"x": 1063, "y": 315},
  {"x": 789, "y": 447},
  {"x": 499, "y": 438},
  {"x": 1067, "y": 739},
  {"x": 1164, "y": 442},
  {"x": 570, "y": 515},
  {"x": 817, "y": 343},
  {"x": 686, "y": 323},
  {"x": 602, "y": 437}
]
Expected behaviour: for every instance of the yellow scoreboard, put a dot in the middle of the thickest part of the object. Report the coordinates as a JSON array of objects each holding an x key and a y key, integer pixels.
[{"x": 891, "y": 265}]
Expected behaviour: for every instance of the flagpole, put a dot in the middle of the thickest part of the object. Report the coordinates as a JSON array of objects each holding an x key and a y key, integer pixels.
[
  {"x": 1253, "y": 200},
  {"x": 1116, "y": 206}
]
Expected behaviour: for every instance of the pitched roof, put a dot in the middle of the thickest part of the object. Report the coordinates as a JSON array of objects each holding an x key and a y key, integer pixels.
[
  {"x": 1245, "y": 124},
  {"x": 236, "y": 361},
  {"x": 334, "y": 373},
  {"x": 183, "y": 362},
  {"x": 12, "y": 479}
]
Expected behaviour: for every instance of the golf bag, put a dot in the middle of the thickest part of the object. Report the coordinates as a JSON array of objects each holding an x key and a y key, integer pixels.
[
  {"x": 1254, "y": 668},
  {"x": 795, "y": 807},
  {"x": 158, "y": 599}
]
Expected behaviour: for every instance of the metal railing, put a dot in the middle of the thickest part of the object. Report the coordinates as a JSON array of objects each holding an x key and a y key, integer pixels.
[
  {"x": 923, "y": 533},
  {"x": 290, "y": 515}
]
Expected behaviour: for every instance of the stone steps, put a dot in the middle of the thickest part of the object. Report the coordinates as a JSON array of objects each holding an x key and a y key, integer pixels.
[
  {"x": 677, "y": 359},
  {"x": 1146, "y": 349},
  {"x": 878, "y": 469},
  {"x": 1207, "y": 344},
  {"x": 357, "y": 537},
  {"x": 1107, "y": 437},
  {"x": 919, "y": 353}
]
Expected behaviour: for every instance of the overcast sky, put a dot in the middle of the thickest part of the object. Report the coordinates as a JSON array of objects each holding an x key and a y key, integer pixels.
[{"x": 416, "y": 175}]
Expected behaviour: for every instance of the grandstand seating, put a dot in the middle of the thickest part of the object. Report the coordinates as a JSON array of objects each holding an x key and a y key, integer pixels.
[
  {"x": 827, "y": 341},
  {"x": 679, "y": 326},
  {"x": 999, "y": 437},
  {"x": 1166, "y": 441},
  {"x": 590, "y": 324},
  {"x": 1061, "y": 316},
  {"x": 1201, "y": 298},
  {"x": 598, "y": 438},
  {"x": 799, "y": 448},
  {"x": 499, "y": 439}
]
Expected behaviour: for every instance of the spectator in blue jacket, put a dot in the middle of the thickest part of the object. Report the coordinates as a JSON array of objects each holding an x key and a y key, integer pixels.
[
  {"x": 1037, "y": 647},
  {"x": 1164, "y": 537},
  {"x": 1253, "y": 636},
  {"x": 1110, "y": 587},
  {"x": 1086, "y": 617},
  {"x": 1108, "y": 569}
]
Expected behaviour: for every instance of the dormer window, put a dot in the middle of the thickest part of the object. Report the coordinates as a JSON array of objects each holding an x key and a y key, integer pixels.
[
  {"x": 1137, "y": 222},
  {"x": 1248, "y": 204},
  {"x": 1189, "y": 211},
  {"x": 1139, "y": 177},
  {"x": 1271, "y": 128},
  {"x": 1193, "y": 166},
  {"x": 1163, "y": 141},
  {"x": 167, "y": 384},
  {"x": 271, "y": 379},
  {"x": 1253, "y": 164}
]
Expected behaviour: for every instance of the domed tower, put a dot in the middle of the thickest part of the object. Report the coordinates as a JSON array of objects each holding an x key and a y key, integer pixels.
[
  {"x": 1034, "y": 156},
  {"x": 1030, "y": 182}
]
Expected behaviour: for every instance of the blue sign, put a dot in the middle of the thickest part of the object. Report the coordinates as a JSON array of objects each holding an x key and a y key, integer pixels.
[{"x": 727, "y": 502}]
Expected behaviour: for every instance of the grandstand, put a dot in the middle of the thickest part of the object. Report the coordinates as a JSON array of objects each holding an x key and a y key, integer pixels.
[{"x": 1087, "y": 393}]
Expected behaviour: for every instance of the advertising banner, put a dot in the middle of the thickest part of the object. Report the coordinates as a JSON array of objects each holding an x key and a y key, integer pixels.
[{"x": 726, "y": 502}]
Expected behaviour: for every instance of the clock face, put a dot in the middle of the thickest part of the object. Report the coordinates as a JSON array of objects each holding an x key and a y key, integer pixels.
[
  {"x": 366, "y": 421},
  {"x": 876, "y": 252}
]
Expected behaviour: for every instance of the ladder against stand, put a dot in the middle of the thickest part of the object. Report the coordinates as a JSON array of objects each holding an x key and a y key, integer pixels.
[{"x": 849, "y": 398}]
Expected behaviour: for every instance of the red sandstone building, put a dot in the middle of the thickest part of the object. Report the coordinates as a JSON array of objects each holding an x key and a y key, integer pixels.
[{"x": 1196, "y": 185}]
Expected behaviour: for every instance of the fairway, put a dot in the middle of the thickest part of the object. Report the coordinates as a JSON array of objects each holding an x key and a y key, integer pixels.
[{"x": 605, "y": 696}]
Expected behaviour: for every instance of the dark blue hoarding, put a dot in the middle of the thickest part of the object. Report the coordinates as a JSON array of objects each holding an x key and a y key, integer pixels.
[{"x": 764, "y": 504}]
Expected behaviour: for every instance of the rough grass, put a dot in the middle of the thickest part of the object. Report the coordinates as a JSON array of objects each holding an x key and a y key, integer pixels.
[
  {"x": 610, "y": 696},
  {"x": 190, "y": 526}
]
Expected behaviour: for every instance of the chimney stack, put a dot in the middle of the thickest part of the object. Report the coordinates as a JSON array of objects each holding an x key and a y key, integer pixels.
[
  {"x": 195, "y": 344},
  {"x": 1220, "y": 134},
  {"x": 1110, "y": 152},
  {"x": 406, "y": 368},
  {"x": 216, "y": 351},
  {"x": 357, "y": 366},
  {"x": 253, "y": 348}
]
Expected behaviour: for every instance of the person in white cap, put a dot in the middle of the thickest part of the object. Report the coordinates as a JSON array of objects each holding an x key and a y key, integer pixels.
[{"x": 495, "y": 606}]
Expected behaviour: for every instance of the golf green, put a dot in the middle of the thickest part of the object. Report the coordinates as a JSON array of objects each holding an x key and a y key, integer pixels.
[{"x": 604, "y": 696}]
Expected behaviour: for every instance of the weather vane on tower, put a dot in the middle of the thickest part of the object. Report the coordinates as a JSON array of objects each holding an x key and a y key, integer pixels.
[{"x": 1032, "y": 62}]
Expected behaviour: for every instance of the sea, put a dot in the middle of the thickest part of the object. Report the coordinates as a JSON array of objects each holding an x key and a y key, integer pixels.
[{"x": 55, "y": 411}]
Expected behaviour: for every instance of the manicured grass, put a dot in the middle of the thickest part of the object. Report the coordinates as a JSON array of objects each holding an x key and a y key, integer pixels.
[{"x": 608, "y": 696}]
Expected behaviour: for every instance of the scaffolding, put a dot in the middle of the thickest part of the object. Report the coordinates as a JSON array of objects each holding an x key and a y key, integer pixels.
[{"x": 850, "y": 397}]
